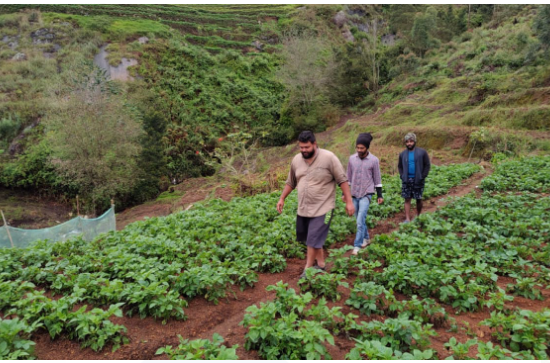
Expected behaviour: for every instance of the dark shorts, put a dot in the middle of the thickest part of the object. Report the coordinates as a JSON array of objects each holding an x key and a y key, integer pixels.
[
  {"x": 411, "y": 191},
  {"x": 313, "y": 231}
]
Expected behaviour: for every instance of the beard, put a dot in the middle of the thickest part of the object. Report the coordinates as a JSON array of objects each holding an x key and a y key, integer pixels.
[
  {"x": 411, "y": 147},
  {"x": 307, "y": 155},
  {"x": 362, "y": 155}
]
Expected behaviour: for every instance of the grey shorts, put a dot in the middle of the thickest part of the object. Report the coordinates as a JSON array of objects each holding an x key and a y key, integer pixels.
[
  {"x": 410, "y": 190},
  {"x": 313, "y": 230}
]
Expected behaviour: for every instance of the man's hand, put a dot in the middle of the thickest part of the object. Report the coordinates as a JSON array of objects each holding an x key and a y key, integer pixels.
[
  {"x": 343, "y": 198},
  {"x": 380, "y": 200},
  {"x": 350, "y": 209},
  {"x": 280, "y": 205}
]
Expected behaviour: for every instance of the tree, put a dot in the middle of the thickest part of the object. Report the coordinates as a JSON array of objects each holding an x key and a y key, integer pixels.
[
  {"x": 401, "y": 18},
  {"x": 152, "y": 159},
  {"x": 93, "y": 133},
  {"x": 371, "y": 54},
  {"x": 421, "y": 34},
  {"x": 309, "y": 73},
  {"x": 307, "y": 70},
  {"x": 541, "y": 26}
]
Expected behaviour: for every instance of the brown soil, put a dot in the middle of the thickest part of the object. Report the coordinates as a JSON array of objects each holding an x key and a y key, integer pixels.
[
  {"x": 27, "y": 210},
  {"x": 194, "y": 190},
  {"x": 205, "y": 318}
]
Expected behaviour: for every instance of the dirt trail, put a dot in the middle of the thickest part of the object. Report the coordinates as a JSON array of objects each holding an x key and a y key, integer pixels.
[{"x": 205, "y": 318}]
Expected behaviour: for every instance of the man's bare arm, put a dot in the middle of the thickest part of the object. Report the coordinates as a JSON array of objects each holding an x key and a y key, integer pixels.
[
  {"x": 350, "y": 209},
  {"x": 286, "y": 191}
]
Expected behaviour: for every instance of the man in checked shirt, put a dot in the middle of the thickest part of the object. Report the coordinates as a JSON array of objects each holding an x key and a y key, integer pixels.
[{"x": 364, "y": 178}]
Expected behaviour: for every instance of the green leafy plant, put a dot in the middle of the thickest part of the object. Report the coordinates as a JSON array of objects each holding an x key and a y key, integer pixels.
[
  {"x": 324, "y": 284},
  {"x": 277, "y": 331},
  {"x": 400, "y": 333},
  {"x": 459, "y": 351},
  {"x": 200, "y": 349},
  {"x": 488, "y": 351},
  {"x": 333, "y": 319},
  {"x": 14, "y": 340},
  {"x": 525, "y": 287},
  {"x": 497, "y": 300},
  {"x": 522, "y": 331},
  {"x": 368, "y": 298},
  {"x": 94, "y": 328}
]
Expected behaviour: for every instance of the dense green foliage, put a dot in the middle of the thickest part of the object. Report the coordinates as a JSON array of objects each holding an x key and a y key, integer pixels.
[
  {"x": 541, "y": 26},
  {"x": 522, "y": 331},
  {"x": 200, "y": 349},
  {"x": 495, "y": 238},
  {"x": 519, "y": 175},
  {"x": 13, "y": 343},
  {"x": 279, "y": 329}
]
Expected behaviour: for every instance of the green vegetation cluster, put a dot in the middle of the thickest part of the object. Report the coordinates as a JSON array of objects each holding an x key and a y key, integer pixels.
[
  {"x": 268, "y": 71},
  {"x": 200, "y": 349}
]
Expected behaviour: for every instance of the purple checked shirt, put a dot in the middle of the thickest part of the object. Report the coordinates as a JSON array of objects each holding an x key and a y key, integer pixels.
[{"x": 364, "y": 175}]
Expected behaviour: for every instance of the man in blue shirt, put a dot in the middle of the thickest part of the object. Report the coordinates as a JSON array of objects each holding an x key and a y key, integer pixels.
[{"x": 414, "y": 167}]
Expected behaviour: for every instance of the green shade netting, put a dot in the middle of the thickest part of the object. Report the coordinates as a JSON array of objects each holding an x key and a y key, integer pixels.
[{"x": 88, "y": 228}]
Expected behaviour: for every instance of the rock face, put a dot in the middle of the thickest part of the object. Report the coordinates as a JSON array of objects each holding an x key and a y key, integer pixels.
[
  {"x": 16, "y": 146},
  {"x": 143, "y": 40},
  {"x": 347, "y": 35},
  {"x": 340, "y": 18},
  {"x": 119, "y": 72},
  {"x": 19, "y": 57},
  {"x": 13, "y": 42},
  {"x": 270, "y": 38},
  {"x": 258, "y": 45},
  {"x": 42, "y": 36},
  {"x": 388, "y": 39},
  {"x": 54, "y": 49}
]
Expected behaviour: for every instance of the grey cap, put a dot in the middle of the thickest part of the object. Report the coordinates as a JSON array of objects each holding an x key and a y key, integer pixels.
[{"x": 410, "y": 136}]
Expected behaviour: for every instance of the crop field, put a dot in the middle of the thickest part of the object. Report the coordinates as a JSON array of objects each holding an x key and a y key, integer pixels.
[
  {"x": 152, "y": 268},
  {"x": 415, "y": 280}
]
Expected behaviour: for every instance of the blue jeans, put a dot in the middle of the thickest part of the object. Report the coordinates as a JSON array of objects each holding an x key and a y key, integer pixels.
[{"x": 361, "y": 209}]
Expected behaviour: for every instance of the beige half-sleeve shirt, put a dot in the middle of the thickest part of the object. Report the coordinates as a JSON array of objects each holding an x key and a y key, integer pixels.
[{"x": 316, "y": 182}]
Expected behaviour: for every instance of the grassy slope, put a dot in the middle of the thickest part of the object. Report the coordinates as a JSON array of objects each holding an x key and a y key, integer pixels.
[{"x": 478, "y": 80}]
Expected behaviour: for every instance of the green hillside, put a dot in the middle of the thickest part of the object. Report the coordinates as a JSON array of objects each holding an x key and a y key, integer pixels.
[{"x": 209, "y": 87}]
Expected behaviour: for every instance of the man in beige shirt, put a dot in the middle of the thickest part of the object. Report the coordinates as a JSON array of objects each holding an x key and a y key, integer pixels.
[{"x": 315, "y": 172}]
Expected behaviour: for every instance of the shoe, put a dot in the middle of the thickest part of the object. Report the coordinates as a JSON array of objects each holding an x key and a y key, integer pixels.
[
  {"x": 302, "y": 276},
  {"x": 320, "y": 268},
  {"x": 405, "y": 222},
  {"x": 355, "y": 251},
  {"x": 366, "y": 242}
]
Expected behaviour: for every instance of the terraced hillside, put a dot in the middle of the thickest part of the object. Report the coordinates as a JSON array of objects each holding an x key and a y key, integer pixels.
[{"x": 214, "y": 27}]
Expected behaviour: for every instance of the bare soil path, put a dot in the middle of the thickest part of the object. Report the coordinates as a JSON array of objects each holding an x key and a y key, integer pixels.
[{"x": 206, "y": 318}]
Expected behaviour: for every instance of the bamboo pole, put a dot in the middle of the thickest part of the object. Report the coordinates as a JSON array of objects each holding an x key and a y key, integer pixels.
[{"x": 7, "y": 229}]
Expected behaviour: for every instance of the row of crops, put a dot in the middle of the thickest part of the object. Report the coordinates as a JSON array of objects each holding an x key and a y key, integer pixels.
[
  {"x": 153, "y": 267},
  {"x": 207, "y": 25},
  {"x": 451, "y": 258}
]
